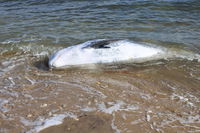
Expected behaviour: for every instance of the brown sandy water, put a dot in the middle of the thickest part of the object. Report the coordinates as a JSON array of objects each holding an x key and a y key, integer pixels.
[{"x": 155, "y": 96}]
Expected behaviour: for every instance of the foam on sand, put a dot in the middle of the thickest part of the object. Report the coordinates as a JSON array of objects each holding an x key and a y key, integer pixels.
[{"x": 45, "y": 123}]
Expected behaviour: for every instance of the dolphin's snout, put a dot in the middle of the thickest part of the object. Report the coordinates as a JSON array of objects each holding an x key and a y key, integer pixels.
[
  {"x": 52, "y": 64},
  {"x": 55, "y": 62}
]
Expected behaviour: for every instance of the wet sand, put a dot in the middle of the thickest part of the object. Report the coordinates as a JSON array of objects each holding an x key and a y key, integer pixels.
[
  {"x": 86, "y": 123},
  {"x": 157, "y": 96}
]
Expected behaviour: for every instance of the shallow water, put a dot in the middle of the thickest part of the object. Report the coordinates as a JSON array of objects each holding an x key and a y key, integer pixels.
[{"x": 158, "y": 95}]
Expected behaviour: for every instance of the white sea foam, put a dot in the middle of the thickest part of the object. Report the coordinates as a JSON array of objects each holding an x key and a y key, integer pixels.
[
  {"x": 183, "y": 99},
  {"x": 190, "y": 119},
  {"x": 41, "y": 123},
  {"x": 88, "y": 109},
  {"x": 121, "y": 50},
  {"x": 116, "y": 106},
  {"x": 2, "y": 107},
  {"x": 56, "y": 120},
  {"x": 114, "y": 127},
  {"x": 10, "y": 42}
]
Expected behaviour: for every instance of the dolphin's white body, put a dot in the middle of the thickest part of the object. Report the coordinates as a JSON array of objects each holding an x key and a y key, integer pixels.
[{"x": 96, "y": 52}]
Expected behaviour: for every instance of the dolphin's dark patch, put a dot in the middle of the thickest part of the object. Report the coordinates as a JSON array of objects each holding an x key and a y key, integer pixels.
[{"x": 102, "y": 44}]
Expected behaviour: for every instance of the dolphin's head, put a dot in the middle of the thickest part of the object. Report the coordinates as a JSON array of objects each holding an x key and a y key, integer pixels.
[
  {"x": 55, "y": 62},
  {"x": 64, "y": 57},
  {"x": 58, "y": 59}
]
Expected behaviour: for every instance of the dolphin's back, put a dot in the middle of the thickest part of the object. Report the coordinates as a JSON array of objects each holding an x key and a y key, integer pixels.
[{"x": 101, "y": 44}]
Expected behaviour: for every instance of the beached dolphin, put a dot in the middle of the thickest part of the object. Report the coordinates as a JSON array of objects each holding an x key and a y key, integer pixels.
[{"x": 100, "y": 51}]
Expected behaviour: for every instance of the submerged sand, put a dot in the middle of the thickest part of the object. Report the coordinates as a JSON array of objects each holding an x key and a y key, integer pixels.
[
  {"x": 157, "y": 96},
  {"x": 86, "y": 123}
]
